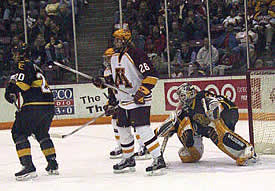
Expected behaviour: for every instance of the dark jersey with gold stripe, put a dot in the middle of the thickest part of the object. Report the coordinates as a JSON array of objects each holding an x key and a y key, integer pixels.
[
  {"x": 197, "y": 106},
  {"x": 229, "y": 114},
  {"x": 32, "y": 84}
]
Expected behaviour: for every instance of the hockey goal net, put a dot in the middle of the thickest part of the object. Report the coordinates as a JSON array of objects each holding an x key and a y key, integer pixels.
[{"x": 261, "y": 109}]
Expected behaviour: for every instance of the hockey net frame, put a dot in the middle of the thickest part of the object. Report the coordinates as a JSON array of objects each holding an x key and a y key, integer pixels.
[{"x": 261, "y": 109}]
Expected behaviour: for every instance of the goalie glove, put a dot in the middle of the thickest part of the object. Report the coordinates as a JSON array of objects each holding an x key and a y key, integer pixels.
[
  {"x": 140, "y": 94},
  {"x": 201, "y": 119},
  {"x": 214, "y": 108},
  {"x": 99, "y": 82}
]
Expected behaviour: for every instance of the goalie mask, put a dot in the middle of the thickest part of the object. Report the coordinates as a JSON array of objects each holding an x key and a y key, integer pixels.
[
  {"x": 122, "y": 38},
  {"x": 186, "y": 93},
  {"x": 107, "y": 57}
]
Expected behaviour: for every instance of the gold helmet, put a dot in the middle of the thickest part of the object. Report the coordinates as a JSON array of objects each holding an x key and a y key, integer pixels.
[{"x": 122, "y": 34}]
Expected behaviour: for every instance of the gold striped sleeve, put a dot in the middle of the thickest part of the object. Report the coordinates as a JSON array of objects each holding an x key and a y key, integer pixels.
[
  {"x": 23, "y": 86},
  {"x": 150, "y": 80},
  {"x": 36, "y": 83}
]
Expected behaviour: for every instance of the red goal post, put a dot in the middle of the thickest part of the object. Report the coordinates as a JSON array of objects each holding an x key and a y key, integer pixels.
[{"x": 261, "y": 109}]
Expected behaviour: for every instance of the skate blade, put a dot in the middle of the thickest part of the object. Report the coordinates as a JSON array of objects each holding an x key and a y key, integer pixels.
[
  {"x": 158, "y": 172},
  {"x": 116, "y": 156},
  {"x": 53, "y": 172},
  {"x": 125, "y": 170},
  {"x": 144, "y": 157},
  {"x": 26, "y": 177}
]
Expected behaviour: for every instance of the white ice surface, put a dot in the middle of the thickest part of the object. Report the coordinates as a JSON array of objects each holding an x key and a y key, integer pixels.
[{"x": 85, "y": 165}]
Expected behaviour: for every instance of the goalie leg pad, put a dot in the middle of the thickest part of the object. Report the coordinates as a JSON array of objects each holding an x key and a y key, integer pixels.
[
  {"x": 194, "y": 153},
  {"x": 229, "y": 142}
]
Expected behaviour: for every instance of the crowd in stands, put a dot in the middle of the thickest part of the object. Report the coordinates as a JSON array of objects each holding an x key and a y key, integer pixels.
[
  {"x": 49, "y": 29},
  {"x": 188, "y": 34},
  {"x": 49, "y": 32}
]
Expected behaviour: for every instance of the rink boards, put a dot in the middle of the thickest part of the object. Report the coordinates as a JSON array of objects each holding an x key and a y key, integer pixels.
[{"x": 77, "y": 103}]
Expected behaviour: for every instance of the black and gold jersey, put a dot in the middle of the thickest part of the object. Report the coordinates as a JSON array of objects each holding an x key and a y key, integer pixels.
[{"x": 32, "y": 84}]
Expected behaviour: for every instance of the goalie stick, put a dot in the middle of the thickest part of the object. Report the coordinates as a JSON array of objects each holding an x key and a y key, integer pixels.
[
  {"x": 89, "y": 77},
  {"x": 55, "y": 135}
]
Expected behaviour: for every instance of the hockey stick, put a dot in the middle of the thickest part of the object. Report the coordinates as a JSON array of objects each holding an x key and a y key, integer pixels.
[
  {"x": 89, "y": 77},
  {"x": 55, "y": 135},
  {"x": 163, "y": 145}
]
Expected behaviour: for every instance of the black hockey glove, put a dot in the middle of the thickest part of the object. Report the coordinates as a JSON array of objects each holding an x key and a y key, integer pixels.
[
  {"x": 10, "y": 97},
  {"x": 10, "y": 94},
  {"x": 140, "y": 94},
  {"x": 110, "y": 109},
  {"x": 99, "y": 82}
]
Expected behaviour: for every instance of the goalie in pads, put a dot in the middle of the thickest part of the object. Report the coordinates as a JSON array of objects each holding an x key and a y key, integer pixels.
[{"x": 205, "y": 114}]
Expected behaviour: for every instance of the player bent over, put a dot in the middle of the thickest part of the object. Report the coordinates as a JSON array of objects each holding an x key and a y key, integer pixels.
[
  {"x": 133, "y": 73},
  {"x": 209, "y": 115},
  {"x": 110, "y": 110},
  {"x": 35, "y": 115}
]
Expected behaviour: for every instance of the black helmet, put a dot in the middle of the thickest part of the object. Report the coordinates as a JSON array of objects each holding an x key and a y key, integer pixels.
[{"x": 24, "y": 51}]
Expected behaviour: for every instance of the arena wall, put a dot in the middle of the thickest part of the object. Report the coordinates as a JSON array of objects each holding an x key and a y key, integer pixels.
[{"x": 78, "y": 103}]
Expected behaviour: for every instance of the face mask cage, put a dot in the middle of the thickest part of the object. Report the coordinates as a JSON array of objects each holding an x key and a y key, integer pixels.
[{"x": 186, "y": 93}]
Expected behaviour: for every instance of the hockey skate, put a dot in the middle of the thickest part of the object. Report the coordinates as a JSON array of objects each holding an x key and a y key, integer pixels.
[
  {"x": 27, "y": 173},
  {"x": 125, "y": 165},
  {"x": 52, "y": 167},
  {"x": 157, "y": 168},
  {"x": 116, "y": 153},
  {"x": 142, "y": 154},
  {"x": 249, "y": 157}
]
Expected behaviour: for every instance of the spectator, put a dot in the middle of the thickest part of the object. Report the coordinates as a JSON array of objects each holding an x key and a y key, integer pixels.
[
  {"x": 158, "y": 40},
  {"x": 176, "y": 36},
  {"x": 264, "y": 22},
  {"x": 184, "y": 60},
  {"x": 38, "y": 53},
  {"x": 203, "y": 57},
  {"x": 192, "y": 27},
  {"x": 233, "y": 19},
  {"x": 241, "y": 49}
]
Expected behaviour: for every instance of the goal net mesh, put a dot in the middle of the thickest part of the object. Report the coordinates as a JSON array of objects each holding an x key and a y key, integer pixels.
[{"x": 262, "y": 115}]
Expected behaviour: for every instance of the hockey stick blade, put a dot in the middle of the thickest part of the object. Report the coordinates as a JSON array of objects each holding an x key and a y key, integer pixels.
[
  {"x": 88, "y": 77},
  {"x": 55, "y": 135}
]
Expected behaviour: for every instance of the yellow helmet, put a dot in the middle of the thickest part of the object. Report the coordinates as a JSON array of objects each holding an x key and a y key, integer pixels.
[
  {"x": 109, "y": 52},
  {"x": 122, "y": 34}
]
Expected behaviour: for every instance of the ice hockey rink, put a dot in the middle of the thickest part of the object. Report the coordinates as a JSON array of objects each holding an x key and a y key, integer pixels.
[{"x": 85, "y": 165}]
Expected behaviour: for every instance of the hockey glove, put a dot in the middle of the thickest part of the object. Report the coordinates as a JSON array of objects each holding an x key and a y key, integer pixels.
[
  {"x": 201, "y": 119},
  {"x": 99, "y": 82},
  {"x": 109, "y": 109},
  {"x": 10, "y": 97},
  {"x": 10, "y": 94},
  {"x": 140, "y": 94},
  {"x": 189, "y": 138}
]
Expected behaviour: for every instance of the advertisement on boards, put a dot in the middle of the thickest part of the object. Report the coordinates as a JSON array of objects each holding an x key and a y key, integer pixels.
[{"x": 234, "y": 89}]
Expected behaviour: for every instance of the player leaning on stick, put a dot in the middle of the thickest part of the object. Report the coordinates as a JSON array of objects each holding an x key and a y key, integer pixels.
[
  {"x": 110, "y": 109},
  {"x": 206, "y": 114},
  {"x": 133, "y": 72},
  {"x": 34, "y": 117}
]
